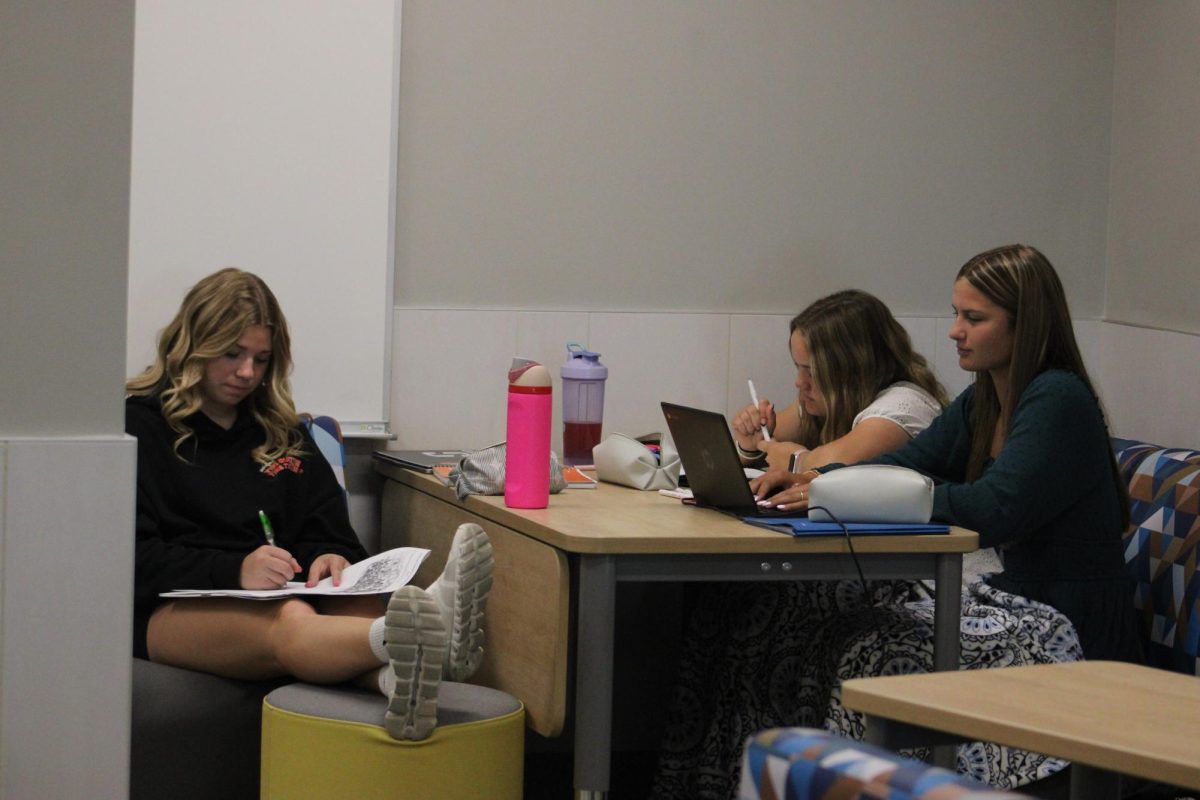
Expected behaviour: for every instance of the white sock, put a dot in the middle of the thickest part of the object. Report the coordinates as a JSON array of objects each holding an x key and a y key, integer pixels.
[
  {"x": 375, "y": 638},
  {"x": 387, "y": 681}
]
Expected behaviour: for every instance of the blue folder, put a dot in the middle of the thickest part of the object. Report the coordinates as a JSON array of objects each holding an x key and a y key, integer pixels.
[{"x": 803, "y": 526}]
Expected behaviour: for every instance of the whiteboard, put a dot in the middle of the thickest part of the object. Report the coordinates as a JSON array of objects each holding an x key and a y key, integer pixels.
[{"x": 264, "y": 137}]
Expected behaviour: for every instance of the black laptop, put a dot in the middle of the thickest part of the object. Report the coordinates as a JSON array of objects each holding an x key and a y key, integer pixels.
[{"x": 710, "y": 460}]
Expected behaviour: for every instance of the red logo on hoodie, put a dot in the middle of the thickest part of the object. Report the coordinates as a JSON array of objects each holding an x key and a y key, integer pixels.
[{"x": 280, "y": 464}]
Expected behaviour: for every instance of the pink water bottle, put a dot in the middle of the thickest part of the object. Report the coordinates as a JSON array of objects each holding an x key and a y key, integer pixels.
[
  {"x": 527, "y": 453},
  {"x": 583, "y": 379}
]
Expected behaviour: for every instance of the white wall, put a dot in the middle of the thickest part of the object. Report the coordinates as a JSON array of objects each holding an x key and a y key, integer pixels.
[
  {"x": 1151, "y": 342},
  {"x": 66, "y": 603},
  {"x": 264, "y": 136},
  {"x": 66, "y": 467},
  {"x": 1149, "y": 382},
  {"x": 690, "y": 358},
  {"x": 65, "y": 94},
  {"x": 1153, "y": 236},
  {"x": 702, "y": 155},
  {"x": 705, "y": 359}
]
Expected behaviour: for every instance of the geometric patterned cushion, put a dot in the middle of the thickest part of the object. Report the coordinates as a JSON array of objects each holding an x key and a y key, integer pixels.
[
  {"x": 327, "y": 433},
  {"x": 811, "y": 764},
  {"x": 1161, "y": 549}
]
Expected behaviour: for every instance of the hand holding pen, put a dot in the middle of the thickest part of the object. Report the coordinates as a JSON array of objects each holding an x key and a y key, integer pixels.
[
  {"x": 268, "y": 531},
  {"x": 754, "y": 399},
  {"x": 268, "y": 567},
  {"x": 749, "y": 431}
]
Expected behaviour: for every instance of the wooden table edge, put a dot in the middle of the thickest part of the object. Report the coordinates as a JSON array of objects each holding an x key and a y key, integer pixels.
[
  {"x": 862, "y": 694},
  {"x": 748, "y": 539}
]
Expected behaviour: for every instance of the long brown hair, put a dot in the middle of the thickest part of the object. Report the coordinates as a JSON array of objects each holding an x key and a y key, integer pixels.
[
  {"x": 1020, "y": 280},
  {"x": 856, "y": 349},
  {"x": 214, "y": 314}
]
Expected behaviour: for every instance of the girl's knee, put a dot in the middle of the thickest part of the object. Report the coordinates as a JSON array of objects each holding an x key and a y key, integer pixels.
[
  {"x": 294, "y": 608},
  {"x": 292, "y": 617}
]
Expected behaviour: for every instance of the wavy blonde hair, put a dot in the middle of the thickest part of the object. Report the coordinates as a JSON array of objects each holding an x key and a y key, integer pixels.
[
  {"x": 856, "y": 350},
  {"x": 1021, "y": 280},
  {"x": 214, "y": 314}
]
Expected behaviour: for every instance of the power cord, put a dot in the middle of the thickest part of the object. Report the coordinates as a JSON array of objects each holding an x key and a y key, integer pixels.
[{"x": 849, "y": 543}]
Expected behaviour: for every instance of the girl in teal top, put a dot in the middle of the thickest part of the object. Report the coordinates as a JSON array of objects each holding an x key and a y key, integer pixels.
[{"x": 1047, "y": 500}]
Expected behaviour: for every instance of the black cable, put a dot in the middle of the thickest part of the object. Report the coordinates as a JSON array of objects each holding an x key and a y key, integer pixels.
[{"x": 861, "y": 578}]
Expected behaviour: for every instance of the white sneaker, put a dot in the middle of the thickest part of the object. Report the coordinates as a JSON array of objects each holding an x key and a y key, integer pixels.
[
  {"x": 415, "y": 638},
  {"x": 461, "y": 594}
]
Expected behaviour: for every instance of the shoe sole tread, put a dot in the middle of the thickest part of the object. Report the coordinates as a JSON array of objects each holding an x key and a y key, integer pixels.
[{"x": 416, "y": 643}]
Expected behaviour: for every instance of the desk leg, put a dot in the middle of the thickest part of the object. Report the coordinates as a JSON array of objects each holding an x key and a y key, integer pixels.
[
  {"x": 947, "y": 613},
  {"x": 595, "y": 618}
]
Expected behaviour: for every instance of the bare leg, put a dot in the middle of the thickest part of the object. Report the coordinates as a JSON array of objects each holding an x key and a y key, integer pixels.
[{"x": 254, "y": 640}]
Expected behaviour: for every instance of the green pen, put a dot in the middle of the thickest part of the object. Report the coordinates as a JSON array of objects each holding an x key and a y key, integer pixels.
[{"x": 268, "y": 531}]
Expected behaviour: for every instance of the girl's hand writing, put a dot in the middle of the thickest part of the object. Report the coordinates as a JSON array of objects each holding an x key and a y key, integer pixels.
[{"x": 268, "y": 567}]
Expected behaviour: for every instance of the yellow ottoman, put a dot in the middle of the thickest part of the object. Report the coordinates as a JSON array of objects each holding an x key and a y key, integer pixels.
[{"x": 329, "y": 742}]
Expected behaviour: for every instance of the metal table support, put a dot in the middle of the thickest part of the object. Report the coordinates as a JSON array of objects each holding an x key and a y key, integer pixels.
[{"x": 595, "y": 615}]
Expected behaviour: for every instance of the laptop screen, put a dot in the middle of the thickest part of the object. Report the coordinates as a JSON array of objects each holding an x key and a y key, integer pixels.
[{"x": 710, "y": 460}]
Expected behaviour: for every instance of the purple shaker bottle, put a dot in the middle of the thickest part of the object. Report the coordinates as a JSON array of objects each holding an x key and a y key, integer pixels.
[
  {"x": 527, "y": 453},
  {"x": 583, "y": 403}
]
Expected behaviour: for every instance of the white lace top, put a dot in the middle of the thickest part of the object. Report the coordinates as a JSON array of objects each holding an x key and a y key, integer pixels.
[{"x": 904, "y": 403}]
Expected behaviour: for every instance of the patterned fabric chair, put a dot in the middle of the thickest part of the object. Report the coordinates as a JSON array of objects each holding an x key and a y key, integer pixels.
[
  {"x": 810, "y": 764},
  {"x": 327, "y": 433},
  {"x": 1161, "y": 549}
]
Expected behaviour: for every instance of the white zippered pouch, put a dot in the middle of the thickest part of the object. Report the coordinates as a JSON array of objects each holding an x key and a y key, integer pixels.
[{"x": 871, "y": 493}]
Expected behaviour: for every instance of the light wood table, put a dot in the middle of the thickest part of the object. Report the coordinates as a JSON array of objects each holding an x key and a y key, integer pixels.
[
  {"x": 1106, "y": 717},
  {"x": 557, "y": 570}
]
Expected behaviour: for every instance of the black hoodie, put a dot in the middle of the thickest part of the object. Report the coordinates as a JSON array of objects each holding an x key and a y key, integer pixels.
[{"x": 197, "y": 510}]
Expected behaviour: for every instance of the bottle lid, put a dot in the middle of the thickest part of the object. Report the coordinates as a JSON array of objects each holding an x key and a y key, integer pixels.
[
  {"x": 528, "y": 373},
  {"x": 583, "y": 364}
]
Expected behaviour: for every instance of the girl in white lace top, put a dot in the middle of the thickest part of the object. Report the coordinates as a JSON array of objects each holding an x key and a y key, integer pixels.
[{"x": 861, "y": 389}]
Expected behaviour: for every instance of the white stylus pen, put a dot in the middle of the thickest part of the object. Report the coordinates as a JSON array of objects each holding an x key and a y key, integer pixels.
[{"x": 754, "y": 399}]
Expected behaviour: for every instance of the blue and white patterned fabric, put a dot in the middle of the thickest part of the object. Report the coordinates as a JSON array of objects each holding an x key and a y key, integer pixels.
[
  {"x": 810, "y": 764},
  {"x": 328, "y": 435}
]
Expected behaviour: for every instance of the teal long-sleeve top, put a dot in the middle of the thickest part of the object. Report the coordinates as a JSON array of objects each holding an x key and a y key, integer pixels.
[{"x": 1048, "y": 501}]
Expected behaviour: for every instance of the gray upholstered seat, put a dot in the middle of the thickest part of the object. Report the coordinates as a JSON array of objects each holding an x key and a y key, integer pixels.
[
  {"x": 194, "y": 735},
  {"x": 457, "y": 703}
]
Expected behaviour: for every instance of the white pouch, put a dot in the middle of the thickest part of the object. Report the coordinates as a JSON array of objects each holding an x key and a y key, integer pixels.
[
  {"x": 625, "y": 460},
  {"x": 871, "y": 493}
]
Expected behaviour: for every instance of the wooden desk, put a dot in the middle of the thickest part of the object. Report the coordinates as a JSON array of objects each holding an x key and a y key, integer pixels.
[
  {"x": 1113, "y": 717},
  {"x": 597, "y": 537}
]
